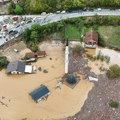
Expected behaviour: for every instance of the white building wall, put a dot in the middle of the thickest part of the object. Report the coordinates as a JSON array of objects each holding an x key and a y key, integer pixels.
[{"x": 66, "y": 59}]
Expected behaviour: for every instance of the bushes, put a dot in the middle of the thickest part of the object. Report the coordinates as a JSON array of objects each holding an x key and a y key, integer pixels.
[
  {"x": 33, "y": 46},
  {"x": 114, "y": 71},
  {"x": 101, "y": 41},
  {"x": 3, "y": 61},
  {"x": 18, "y": 10},
  {"x": 114, "y": 104},
  {"x": 37, "y": 32},
  {"x": 78, "y": 49}
]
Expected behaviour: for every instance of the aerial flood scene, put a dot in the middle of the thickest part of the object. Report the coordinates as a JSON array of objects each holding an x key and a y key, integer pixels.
[{"x": 59, "y": 60}]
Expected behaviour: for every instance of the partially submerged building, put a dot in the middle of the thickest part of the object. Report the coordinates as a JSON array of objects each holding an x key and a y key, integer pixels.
[
  {"x": 31, "y": 56},
  {"x": 91, "y": 39},
  {"x": 20, "y": 67},
  {"x": 40, "y": 54},
  {"x": 40, "y": 93}
]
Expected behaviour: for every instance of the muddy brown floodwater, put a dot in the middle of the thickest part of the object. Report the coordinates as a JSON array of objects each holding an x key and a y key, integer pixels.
[{"x": 15, "y": 89}]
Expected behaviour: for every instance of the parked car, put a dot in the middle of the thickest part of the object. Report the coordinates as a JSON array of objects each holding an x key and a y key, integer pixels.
[
  {"x": 22, "y": 23},
  {"x": 63, "y": 12},
  {"x": 29, "y": 21},
  {"x": 57, "y": 12},
  {"x": 99, "y": 9},
  {"x": 10, "y": 31},
  {"x": 18, "y": 26},
  {"x": 91, "y": 9},
  {"x": 16, "y": 50},
  {"x": 15, "y": 32}
]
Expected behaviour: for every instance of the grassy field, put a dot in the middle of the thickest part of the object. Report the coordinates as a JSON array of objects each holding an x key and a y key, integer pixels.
[
  {"x": 71, "y": 32},
  {"x": 111, "y": 35}
]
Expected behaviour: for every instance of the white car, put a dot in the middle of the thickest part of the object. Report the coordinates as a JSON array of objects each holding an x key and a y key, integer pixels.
[
  {"x": 58, "y": 12},
  {"x": 99, "y": 9},
  {"x": 16, "y": 50},
  {"x": 63, "y": 11}
]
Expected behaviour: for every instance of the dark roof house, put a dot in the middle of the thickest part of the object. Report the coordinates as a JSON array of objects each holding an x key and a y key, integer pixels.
[
  {"x": 16, "y": 67},
  {"x": 91, "y": 39},
  {"x": 39, "y": 93}
]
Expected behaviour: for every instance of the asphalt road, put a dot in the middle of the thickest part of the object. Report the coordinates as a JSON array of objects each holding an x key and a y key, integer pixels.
[{"x": 49, "y": 18}]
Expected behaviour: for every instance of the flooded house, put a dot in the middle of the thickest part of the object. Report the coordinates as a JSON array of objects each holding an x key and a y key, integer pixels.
[
  {"x": 40, "y": 93},
  {"x": 40, "y": 54},
  {"x": 20, "y": 67},
  {"x": 91, "y": 39},
  {"x": 30, "y": 57}
]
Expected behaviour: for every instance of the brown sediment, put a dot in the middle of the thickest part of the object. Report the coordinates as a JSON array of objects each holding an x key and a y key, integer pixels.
[{"x": 60, "y": 104}]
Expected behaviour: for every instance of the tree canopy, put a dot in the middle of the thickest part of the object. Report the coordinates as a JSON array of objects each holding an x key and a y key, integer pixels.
[
  {"x": 38, "y": 6},
  {"x": 3, "y": 61}
]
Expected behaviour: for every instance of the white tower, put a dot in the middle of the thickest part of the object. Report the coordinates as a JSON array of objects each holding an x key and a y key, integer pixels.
[{"x": 66, "y": 57}]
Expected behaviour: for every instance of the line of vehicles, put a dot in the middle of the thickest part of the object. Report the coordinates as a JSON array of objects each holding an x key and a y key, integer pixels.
[
  {"x": 78, "y": 10},
  {"x": 85, "y": 9}
]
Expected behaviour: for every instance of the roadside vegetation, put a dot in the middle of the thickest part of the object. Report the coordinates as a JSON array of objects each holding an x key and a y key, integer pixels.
[
  {"x": 113, "y": 104},
  {"x": 38, "y": 6},
  {"x": 72, "y": 29},
  {"x": 3, "y": 62},
  {"x": 113, "y": 71},
  {"x": 78, "y": 50}
]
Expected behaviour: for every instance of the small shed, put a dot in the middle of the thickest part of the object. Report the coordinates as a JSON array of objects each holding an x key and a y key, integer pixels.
[
  {"x": 40, "y": 93},
  {"x": 41, "y": 54}
]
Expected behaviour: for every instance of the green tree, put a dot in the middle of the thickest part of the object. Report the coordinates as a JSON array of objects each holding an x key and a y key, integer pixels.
[
  {"x": 34, "y": 36},
  {"x": 27, "y": 6},
  {"x": 18, "y": 10},
  {"x": 11, "y": 8},
  {"x": 3, "y": 61},
  {"x": 114, "y": 104},
  {"x": 26, "y": 35},
  {"x": 36, "y": 27},
  {"x": 33, "y": 46}
]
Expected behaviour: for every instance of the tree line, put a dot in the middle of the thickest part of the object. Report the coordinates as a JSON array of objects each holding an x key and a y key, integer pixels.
[
  {"x": 37, "y": 32},
  {"x": 33, "y": 36},
  {"x": 39, "y": 6}
]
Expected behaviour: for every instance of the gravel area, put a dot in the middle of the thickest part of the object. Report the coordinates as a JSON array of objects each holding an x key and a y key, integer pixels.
[
  {"x": 77, "y": 64},
  {"x": 96, "y": 107}
]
